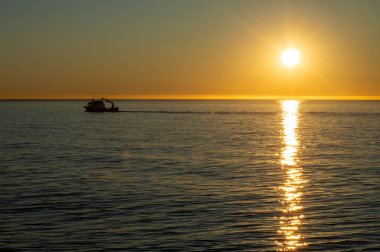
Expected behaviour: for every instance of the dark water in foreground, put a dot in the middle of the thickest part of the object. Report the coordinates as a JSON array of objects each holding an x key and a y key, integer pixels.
[{"x": 250, "y": 176}]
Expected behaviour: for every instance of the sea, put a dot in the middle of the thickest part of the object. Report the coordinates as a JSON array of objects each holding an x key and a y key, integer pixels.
[{"x": 190, "y": 175}]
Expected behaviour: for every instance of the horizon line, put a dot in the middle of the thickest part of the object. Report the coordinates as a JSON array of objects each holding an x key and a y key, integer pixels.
[{"x": 186, "y": 97}]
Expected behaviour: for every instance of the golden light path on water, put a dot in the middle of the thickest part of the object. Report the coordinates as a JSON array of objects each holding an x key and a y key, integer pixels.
[{"x": 291, "y": 189}]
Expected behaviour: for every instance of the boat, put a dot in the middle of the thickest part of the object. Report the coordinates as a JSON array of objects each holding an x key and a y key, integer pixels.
[{"x": 100, "y": 106}]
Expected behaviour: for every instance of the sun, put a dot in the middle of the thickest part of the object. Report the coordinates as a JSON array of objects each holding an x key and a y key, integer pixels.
[{"x": 290, "y": 57}]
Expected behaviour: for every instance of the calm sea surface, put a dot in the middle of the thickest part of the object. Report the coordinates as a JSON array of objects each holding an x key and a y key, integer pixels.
[{"x": 225, "y": 176}]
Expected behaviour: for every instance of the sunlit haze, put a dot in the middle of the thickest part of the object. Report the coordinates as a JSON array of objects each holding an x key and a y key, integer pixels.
[{"x": 187, "y": 49}]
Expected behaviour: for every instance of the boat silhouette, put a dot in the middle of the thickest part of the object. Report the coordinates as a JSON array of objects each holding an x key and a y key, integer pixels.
[{"x": 98, "y": 105}]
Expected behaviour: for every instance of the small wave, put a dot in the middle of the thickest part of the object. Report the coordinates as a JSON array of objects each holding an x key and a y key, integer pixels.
[{"x": 343, "y": 113}]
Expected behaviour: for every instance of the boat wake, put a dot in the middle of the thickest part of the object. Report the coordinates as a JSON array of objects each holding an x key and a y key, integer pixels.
[{"x": 192, "y": 112}]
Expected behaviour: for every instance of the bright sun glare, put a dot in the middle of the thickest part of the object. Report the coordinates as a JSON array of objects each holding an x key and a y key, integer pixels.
[{"x": 290, "y": 57}]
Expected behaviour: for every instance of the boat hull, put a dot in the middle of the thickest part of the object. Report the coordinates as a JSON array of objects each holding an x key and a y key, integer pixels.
[{"x": 114, "y": 109}]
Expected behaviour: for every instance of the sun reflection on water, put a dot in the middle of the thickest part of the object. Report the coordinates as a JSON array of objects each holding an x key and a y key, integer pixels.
[{"x": 291, "y": 189}]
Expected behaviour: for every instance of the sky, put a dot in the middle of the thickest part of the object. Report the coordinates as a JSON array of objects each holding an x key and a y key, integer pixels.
[{"x": 188, "y": 48}]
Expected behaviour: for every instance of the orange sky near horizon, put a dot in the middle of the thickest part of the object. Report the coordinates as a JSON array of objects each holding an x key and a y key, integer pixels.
[{"x": 189, "y": 49}]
